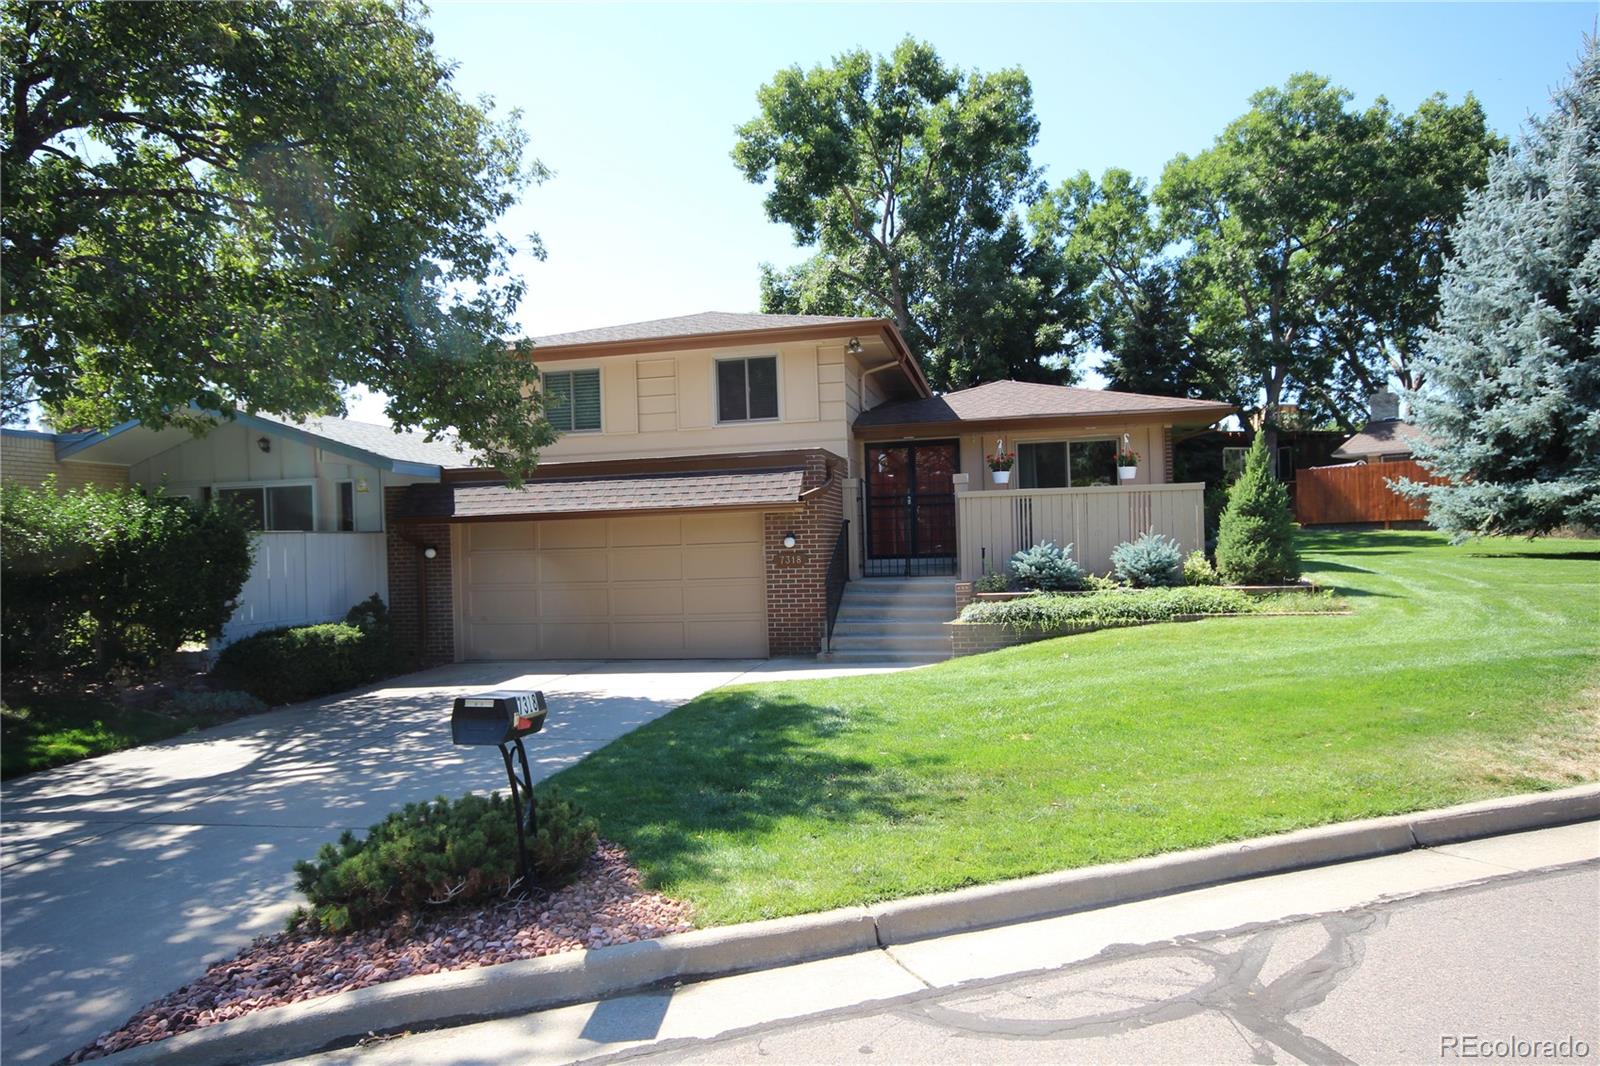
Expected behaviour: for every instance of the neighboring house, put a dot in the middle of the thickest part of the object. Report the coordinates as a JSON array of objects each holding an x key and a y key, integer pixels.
[
  {"x": 717, "y": 480},
  {"x": 315, "y": 490},
  {"x": 1386, "y": 438}
]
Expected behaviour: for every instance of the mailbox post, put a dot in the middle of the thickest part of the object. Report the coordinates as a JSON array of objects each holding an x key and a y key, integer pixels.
[{"x": 501, "y": 719}]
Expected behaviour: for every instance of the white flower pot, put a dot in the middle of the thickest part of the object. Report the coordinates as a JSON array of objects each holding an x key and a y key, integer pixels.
[
  {"x": 1001, "y": 477},
  {"x": 1127, "y": 473}
]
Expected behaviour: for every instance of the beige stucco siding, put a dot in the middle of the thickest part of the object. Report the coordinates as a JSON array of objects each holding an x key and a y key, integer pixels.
[
  {"x": 649, "y": 586},
  {"x": 230, "y": 455},
  {"x": 665, "y": 403},
  {"x": 28, "y": 460}
]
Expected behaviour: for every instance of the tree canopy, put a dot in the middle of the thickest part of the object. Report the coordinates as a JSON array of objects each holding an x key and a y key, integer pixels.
[
  {"x": 912, "y": 179},
  {"x": 1315, "y": 231},
  {"x": 244, "y": 206},
  {"x": 1509, "y": 392}
]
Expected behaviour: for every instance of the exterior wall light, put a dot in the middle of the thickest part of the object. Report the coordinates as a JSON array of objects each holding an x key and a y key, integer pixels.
[
  {"x": 430, "y": 552},
  {"x": 854, "y": 347},
  {"x": 788, "y": 540},
  {"x": 265, "y": 444}
]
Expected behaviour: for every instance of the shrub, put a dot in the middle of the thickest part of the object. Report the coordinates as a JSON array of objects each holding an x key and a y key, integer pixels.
[
  {"x": 441, "y": 852},
  {"x": 1047, "y": 567},
  {"x": 113, "y": 578},
  {"x": 1136, "y": 607},
  {"x": 288, "y": 665},
  {"x": 1149, "y": 561},
  {"x": 205, "y": 703},
  {"x": 1255, "y": 541},
  {"x": 1197, "y": 570},
  {"x": 994, "y": 581}
]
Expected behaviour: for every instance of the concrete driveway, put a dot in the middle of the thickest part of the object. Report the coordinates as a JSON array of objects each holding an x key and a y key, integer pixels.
[{"x": 122, "y": 876}]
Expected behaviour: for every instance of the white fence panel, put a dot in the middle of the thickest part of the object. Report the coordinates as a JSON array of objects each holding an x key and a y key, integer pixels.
[
  {"x": 299, "y": 578},
  {"x": 993, "y": 526}
]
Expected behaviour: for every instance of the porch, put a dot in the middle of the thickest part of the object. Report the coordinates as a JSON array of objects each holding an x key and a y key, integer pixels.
[{"x": 965, "y": 532}]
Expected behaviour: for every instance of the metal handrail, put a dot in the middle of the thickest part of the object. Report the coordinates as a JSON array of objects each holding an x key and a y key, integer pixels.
[{"x": 838, "y": 575}]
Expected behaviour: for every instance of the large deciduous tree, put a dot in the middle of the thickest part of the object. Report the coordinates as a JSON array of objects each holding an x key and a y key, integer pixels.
[
  {"x": 911, "y": 179},
  {"x": 1510, "y": 392},
  {"x": 1108, "y": 232},
  {"x": 1315, "y": 233},
  {"x": 249, "y": 205}
]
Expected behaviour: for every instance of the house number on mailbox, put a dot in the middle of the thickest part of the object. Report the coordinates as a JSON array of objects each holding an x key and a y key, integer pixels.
[{"x": 789, "y": 560}]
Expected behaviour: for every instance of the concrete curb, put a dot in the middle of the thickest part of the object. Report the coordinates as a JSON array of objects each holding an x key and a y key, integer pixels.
[{"x": 581, "y": 976}]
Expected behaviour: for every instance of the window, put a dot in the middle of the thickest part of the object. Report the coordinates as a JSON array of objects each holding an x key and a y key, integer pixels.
[
  {"x": 1232, "y": 462},
  {"x": 274, "y": 508},
  {"x": 1285, "y": 471},
  {"x": 347, "y": 506},
  {"x": 572, "y": 400},
  {"x": 1394, "y": 457},
  {"x": 747, "y": 389},
  {"x": 1067, "y": 464}
]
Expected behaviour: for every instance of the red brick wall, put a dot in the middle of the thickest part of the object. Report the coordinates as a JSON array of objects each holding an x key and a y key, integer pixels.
[
  {"x": 406, "y": 541},
  {"x": 797, "y": 596}
]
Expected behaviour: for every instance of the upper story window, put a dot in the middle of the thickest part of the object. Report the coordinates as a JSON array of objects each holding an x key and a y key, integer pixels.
[
  {"x": 747, "y": 389},
  {"x": 1067, "y": 464},
  {"x": 572, "y": 400},
  {"x": 274, "y": 507}
]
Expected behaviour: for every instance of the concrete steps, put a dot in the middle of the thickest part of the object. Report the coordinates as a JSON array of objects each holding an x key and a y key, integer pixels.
[{"x": 894, "y": 620}]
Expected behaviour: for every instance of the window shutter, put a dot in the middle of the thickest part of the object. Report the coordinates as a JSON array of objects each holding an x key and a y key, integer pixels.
[{"x": 586, "y": 399}]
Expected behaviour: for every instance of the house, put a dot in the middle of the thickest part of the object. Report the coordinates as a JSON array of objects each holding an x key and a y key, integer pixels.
[
  {"x": 720, "y": 476},
  {"x": 1386, "y": 438},
  {"x": 718, "y": 479},
  {"x": 314, "y": 490}
]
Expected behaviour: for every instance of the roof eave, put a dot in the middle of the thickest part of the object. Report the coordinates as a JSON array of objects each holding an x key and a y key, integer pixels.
[{"x": 963, "y": 425}]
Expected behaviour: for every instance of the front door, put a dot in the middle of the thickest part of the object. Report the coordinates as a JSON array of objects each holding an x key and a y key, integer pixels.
[{"x": 910, "y": 506}]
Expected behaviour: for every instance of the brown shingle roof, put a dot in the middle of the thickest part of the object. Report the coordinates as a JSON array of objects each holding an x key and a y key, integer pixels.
[
  {"x": 560, "y": 496},
  {"x": 1001, "y": 401},
  {"x": 1380, "y": 438},
  {"x": 702, "y": 324}
]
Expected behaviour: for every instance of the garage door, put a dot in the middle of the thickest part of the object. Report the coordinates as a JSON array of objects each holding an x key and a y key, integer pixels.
[{"x": 611, "y": 588}]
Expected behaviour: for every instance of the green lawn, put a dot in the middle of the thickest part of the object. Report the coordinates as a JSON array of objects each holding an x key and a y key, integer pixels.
[
  {"x": 41, "y": 731},
  {"x": 1465, "y": 672}
]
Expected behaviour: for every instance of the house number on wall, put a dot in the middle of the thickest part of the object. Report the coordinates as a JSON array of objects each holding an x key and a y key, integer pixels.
[{"x": 789, "y": 560}]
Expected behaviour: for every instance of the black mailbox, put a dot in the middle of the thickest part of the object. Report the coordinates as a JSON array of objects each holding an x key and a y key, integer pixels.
[{"x": 493, "y": 718}]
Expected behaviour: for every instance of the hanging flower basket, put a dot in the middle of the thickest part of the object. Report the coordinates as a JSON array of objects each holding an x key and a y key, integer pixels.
[
  {"x": 1001, "y": 477},
  {"x": 1000, "y": 463},
  {"x": 1127, "y": 463}
]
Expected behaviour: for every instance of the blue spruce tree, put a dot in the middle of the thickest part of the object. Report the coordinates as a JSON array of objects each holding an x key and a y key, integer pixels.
[{"x": 1510, "y": 400}]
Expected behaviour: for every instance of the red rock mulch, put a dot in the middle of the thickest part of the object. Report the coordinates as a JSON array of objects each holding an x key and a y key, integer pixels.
[{"x": 605, "y": 905}]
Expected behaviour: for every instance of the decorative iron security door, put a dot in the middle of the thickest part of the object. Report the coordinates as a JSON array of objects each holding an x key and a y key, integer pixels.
[{"x": 910, "y": 509}]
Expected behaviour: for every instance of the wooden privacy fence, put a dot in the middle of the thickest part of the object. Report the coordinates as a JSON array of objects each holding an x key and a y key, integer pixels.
[
  {"x": 1348, "y": 495},
  {"x": 994, "y": 525},
  {"x": 300, "y": 578}
]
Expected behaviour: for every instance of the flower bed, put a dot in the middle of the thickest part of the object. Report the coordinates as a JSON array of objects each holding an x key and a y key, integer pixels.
[
  {"x": 605, "y": 905},
  {"x": 987, "y": 626}
]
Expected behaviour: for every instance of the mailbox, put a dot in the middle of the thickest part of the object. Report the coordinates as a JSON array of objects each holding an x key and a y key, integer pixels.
[{"x": 490, "y": 719}]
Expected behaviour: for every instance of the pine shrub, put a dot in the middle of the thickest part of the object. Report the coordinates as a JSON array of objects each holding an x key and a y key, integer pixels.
[
  {"x": 1046, "y": 567},
  {"x": 427, "y": 854},
  {"x": 1150, "y": 561},
  {"x": 1255, "y": 540}
]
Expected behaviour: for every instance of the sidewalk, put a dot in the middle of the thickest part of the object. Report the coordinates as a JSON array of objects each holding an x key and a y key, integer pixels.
[{"x": 637, "y": 1024}]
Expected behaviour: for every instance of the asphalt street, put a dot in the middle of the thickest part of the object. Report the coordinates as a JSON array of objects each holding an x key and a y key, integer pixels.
[{"x": 1499, "y": 972}]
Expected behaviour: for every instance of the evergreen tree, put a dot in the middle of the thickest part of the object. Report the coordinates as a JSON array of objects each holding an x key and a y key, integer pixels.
[
  {"x": 1255, "y": 542},
  {"x": 1511, "y": 378}
]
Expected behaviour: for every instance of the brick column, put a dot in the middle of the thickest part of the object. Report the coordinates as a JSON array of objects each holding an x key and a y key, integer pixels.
[
  {"x": 797, "y": 578},
  {"x": 435, "y": 643}
]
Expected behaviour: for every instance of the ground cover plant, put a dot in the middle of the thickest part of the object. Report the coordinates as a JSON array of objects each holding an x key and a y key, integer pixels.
[
  {"x": 1132, "y": 607},
  {"x": 1463, "y": 673},
  {"x": 39, "y": 730}
]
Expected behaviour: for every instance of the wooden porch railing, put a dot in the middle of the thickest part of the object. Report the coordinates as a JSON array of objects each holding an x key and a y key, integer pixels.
[{"x": 993, "y": 526}]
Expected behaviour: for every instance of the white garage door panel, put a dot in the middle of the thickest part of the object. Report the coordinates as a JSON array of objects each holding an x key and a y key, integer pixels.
[{"x": 644, "y": 587}]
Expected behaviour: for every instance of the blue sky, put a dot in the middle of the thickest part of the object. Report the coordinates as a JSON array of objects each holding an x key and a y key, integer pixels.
[{"x": 634, "y": 107}]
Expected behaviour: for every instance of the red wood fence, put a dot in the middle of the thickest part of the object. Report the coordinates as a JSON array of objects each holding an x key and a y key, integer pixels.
[{"x": 1339, "y": 495}]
